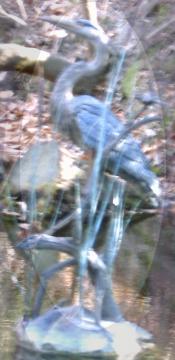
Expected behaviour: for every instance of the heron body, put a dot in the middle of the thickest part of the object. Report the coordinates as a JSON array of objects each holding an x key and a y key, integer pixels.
[
  {"x": 84, "y": 128},
  {"x": 83, "y": 118}
]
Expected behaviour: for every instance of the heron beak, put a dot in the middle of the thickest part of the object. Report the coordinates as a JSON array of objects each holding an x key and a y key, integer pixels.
[{"x": 62, "y": 22}]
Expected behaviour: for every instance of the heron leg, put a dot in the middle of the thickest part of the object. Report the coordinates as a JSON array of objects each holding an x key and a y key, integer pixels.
[
  {"x": 98, "y": 276},
  {"x": 99, "y": 282},
  {"x": 110, "y": 308},
  {"x": 106, "y": 307},
  {"x": 39, "y": 297}
]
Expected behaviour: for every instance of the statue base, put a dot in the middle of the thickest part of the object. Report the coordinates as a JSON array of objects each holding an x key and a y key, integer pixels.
[{"x": 73, "y": 332}]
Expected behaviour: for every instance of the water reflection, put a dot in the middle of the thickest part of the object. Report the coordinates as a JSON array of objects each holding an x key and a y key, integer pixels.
[
  {"x": 151, "y": 302},
  {"x": 145, "y": 292},
  {"x": 21, "y": 354}
]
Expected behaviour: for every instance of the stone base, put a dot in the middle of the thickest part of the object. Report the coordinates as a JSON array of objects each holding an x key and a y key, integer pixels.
[{"x": 71, "y": 331}]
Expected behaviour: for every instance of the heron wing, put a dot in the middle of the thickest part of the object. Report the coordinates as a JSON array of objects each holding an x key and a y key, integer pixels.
[
  {"x": 95, "y": 122},
  {"x": 90, "y": 117}
]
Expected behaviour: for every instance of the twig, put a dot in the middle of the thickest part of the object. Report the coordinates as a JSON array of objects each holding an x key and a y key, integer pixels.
[
  {"x": 22, "y": 9},
  {"x": 145, "y": 8},
  {"x": 160, "y": 28},
  {"x": 62, "y": 223},
  {"x": 13, "y": 17},
  {"x": 67, "y": 219}
]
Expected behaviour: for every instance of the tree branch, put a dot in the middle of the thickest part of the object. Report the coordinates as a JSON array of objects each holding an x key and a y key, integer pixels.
[
  {"x": 90, "y": 10},
  {"x": 163, "y": 26},
  {"x": 14, "y": 18}
]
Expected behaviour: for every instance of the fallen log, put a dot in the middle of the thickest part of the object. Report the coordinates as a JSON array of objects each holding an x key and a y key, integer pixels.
[
  {"x": 38, "y": 62},
  {"x": 32, "y": 61}
]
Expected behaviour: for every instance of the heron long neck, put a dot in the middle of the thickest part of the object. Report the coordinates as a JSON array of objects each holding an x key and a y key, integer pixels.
[{"x": 65, "y": 84}]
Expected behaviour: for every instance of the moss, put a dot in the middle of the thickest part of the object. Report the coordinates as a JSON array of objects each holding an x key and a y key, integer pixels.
[
  {"x": 154, "y": 49},
  {"x": 129, "y": 79},
  {"x": 151, "y": 354},
  {"x": 168, "y": 66},
  {"x": 143, "y": 235},
  {"x": 162, "y": 11},
  {"x": 145, "y": 258},
  {"x": 126, "y": 253},
  {"x": 168, "y": 119},
  {"x": 156, "y": 170}
]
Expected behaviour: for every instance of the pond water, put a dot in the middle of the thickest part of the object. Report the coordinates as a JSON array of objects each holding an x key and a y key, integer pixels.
[{"x": 144, "y": 278}]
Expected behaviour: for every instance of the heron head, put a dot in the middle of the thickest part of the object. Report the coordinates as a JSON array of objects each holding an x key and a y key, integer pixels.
[{"x": 80, "y": 27}]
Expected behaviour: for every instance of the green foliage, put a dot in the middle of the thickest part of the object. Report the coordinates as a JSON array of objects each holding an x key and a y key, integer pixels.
[
  {"x": 162, "y": 11},
  {"x": 129, "y": 79},
  {"x": 167, "y": 120},
  {"x": 156, "y": 170}
]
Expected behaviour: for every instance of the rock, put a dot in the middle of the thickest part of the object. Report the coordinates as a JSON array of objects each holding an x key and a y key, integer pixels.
[
  {"x": 128, "y": 339},
  {"x": 66, "y": 331},
  {"x": 33, "y": 170},
  {"x": 72, "y": 331}
]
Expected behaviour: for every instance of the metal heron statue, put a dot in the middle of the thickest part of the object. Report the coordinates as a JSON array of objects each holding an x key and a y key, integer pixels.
[
  {"x": 89, "y": 123},
  {"x": 82, "y": 117}
]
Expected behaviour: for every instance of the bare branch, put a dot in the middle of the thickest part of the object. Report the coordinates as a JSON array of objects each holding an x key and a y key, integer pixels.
[
  {"x": 163, "y": 26},
  {"x": 12, "y": 17},
  {"x": 22, "y": 9},
  {"x": 91, "y": 11},
  {"x": 145, "y": 8}
]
